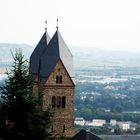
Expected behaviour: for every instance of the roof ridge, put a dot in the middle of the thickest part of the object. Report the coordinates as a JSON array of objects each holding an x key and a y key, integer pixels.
[{"x": 60, "y": 36}]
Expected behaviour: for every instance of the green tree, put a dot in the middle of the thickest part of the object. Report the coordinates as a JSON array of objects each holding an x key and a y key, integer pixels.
[
  {"x": 86, "y": 113},
  {"x": 118, "y": 131},
  {"x": 19, "y": 108}
]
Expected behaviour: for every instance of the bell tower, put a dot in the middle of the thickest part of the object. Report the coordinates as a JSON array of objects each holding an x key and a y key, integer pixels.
[{"x": 52, "y": 70}]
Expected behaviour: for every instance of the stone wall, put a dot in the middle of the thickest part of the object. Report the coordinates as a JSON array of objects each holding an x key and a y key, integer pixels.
[{"x": 63, "y": 120}]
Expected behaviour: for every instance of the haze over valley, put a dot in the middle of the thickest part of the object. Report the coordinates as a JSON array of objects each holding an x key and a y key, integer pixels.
[{"x": 105, "y": 80}]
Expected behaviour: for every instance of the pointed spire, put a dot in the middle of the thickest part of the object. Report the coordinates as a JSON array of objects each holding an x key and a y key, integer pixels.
[
  {"x": 46, "y": 25},
  {"x": 35, "y": 58},
  {"x": 57, "y": 23},
  {"x": 56, "y": 50}
]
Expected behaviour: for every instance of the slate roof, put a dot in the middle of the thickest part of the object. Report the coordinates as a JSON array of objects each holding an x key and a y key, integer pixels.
[
  {"x": 86, "y": 135},
  {"x": 55, "y": 51},
  {"x": 37, "y": 53}
]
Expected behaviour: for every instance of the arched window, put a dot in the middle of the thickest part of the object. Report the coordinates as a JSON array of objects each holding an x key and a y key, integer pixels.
[
  {"x": 59, "y": 79},
  {"x": 58, "y": 101},
  {"x": 64, "y": 102},
  {"x": 53, "y": 101}
]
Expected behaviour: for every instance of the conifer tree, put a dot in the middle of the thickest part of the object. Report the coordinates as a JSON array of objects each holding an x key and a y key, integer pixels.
[{"x": 20, "y": 117}]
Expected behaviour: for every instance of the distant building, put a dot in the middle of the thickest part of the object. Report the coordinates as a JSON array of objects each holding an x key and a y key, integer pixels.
[
  {"x": 51, "y": 66},
  {"x": 133, "y": 126},
  {"x": 124, "y": 125},
  {"x": 113, "y": 122},
  {"x": 79, "y": 121},
  {"x": 96, "y": 122},
  {"x": 107, "y": 110}
]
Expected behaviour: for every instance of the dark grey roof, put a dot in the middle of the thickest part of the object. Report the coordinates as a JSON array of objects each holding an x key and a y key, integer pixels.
[
  {"x": 86, "y": 135},
  {"x": 37, "y": 53},
  {"x": 56, "y": 50}
]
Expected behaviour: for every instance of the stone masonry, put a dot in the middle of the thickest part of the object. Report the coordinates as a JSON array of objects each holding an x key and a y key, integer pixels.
[{"x": 63, "y": 120}]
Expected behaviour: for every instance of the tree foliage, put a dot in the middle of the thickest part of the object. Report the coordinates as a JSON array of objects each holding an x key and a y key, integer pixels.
[{"x": 20, "y": 117}]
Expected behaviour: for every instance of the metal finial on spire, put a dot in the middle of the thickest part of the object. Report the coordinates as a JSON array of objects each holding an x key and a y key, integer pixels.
[
  {"x": 45, "y": 25},
  {"x": 57, "y": 23}
]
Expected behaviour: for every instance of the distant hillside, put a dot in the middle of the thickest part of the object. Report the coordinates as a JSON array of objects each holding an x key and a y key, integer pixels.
[
  {"x": 5, "y": 51},
  {"x": 6, "y": 56},
  {"x": 92, "y": 57},
  {"x": 83, "y": 56}
]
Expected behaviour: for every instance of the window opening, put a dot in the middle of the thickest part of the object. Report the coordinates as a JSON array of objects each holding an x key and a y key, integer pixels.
[
  {"x": 52, "y": 128},
  {"x": 64, "y": 129},
  {"x": 64, "y": 102},
  {"x": 58, "y": 101},
  {"x": 59, "y": 79},
  {"x": 53, "y": 101}
]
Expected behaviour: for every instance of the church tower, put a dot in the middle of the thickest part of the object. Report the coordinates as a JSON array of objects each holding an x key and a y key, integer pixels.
[{"x": 52, "y": 70}]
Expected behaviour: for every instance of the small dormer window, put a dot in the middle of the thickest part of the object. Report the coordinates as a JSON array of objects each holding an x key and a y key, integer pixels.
[{"x": 59, "y": 79}]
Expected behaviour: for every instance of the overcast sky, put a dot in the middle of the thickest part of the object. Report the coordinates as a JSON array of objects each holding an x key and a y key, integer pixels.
[{"x": 113, "y": 24}]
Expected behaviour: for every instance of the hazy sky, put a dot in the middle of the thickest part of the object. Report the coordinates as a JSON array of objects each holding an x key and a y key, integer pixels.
[{"x": 111, "y": 24}]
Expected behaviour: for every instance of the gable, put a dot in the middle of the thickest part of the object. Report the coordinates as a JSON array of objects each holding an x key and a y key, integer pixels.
[
  {"x": 59, "y": 70},
  {"x": 56, "y": 50}
]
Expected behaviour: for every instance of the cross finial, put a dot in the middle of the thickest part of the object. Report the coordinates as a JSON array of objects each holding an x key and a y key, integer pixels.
[
  {"x": 57, "y": 23},
  {"x": 46, "y": 25}
]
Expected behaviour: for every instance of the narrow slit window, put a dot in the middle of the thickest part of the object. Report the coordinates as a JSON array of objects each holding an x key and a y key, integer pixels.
[
  {"x": 57, "y": 79},
  {"x": 64, "y": 129},
  {"x": 58, "y": 101},
  {"x": 53, "y": 101},
  {"x": 52, "y": 128},
  {"x": 64, "y": 102},
  {"x": 60, "y": 78}
]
